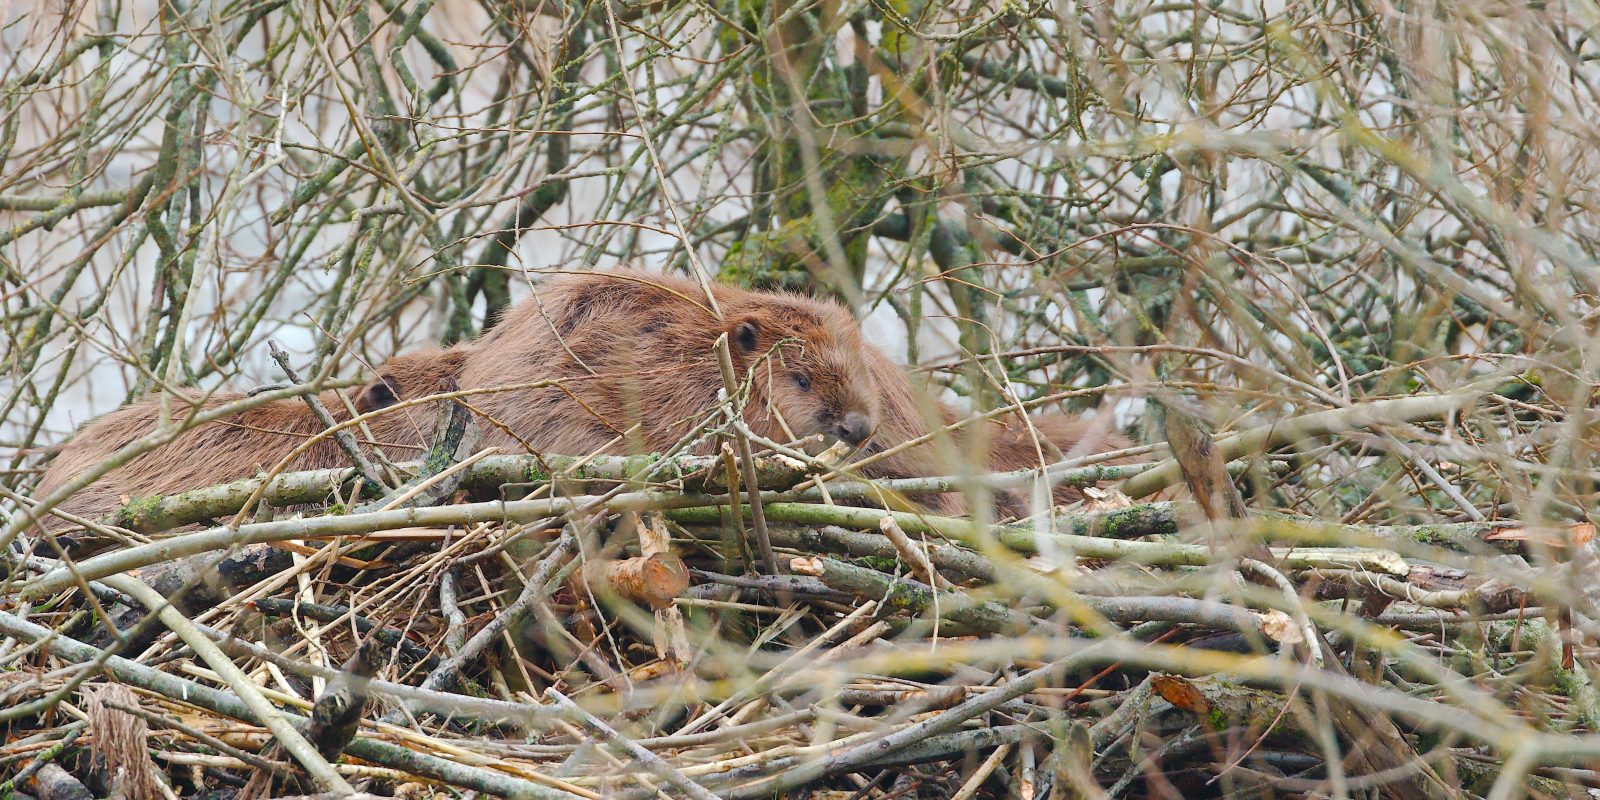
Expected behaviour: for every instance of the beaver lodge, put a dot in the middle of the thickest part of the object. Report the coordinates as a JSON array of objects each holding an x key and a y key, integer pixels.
[{"x": 601, "y": 627}]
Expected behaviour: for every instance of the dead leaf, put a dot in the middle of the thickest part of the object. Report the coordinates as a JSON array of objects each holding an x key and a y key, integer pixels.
[{"x": 1181, "y": 693}]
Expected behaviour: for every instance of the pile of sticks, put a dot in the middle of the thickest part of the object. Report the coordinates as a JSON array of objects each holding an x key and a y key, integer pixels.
[{"x": 531, "y": 627}]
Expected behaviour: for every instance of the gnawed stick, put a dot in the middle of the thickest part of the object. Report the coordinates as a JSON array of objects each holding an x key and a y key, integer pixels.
[
  {"x": 671, "y": 639},
  {"x": 653, "y": 580}
]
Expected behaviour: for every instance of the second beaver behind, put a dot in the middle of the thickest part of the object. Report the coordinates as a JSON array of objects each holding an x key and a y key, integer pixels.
[{"x": 621, "y": 361}]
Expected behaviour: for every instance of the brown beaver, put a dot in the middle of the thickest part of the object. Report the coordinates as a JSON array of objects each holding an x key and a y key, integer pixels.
[{"x": 632, "y": 354}]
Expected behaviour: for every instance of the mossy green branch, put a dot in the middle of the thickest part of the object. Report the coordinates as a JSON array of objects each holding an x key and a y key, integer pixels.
[{"x": 1025, "y": 539}]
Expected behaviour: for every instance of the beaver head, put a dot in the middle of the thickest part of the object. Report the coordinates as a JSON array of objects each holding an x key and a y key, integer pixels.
[{"x": 809, "y": 366}]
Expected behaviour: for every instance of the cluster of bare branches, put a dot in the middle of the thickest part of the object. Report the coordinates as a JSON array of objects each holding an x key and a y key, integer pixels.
[{"x": 1333, "y": 262}]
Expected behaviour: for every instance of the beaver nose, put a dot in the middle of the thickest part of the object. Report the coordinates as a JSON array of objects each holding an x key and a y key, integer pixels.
[{"x": 855, "y": 428}]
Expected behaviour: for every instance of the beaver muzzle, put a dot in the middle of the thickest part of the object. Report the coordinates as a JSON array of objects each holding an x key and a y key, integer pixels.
[{"x": 855, "y": 428}]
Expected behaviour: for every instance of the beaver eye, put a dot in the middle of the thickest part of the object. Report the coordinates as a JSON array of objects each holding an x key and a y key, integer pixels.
[{"x": 803, "y": 382}]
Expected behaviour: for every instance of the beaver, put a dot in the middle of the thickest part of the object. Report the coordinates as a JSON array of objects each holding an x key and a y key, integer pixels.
[{"x": 619, "y": 362}]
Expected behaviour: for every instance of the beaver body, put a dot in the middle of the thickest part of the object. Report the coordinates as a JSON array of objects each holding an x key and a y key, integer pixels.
[{"x": 619, "y": 362}]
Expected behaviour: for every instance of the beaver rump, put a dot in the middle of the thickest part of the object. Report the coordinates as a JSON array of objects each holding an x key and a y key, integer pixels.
[{"x": 617, "y": 360}]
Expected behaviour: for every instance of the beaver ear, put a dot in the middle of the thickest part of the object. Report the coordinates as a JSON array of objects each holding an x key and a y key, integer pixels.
[
  {"x": 745, "y": 337},
  {"x": 381, "y": 393}
]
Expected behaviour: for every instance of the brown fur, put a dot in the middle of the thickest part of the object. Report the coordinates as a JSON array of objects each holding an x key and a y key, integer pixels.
[
  {"x": 636, "y": 349},
  {"x": 1009, "y": 443},
  {"x": 632, "y": 352}
]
